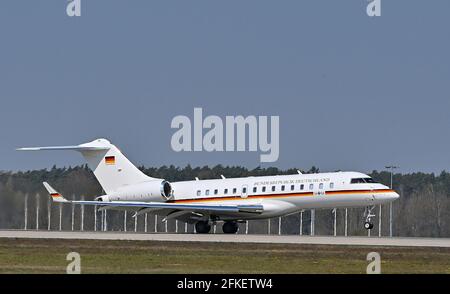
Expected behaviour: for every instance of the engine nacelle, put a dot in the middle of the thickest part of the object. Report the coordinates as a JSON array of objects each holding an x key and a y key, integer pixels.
[
  {"x": 157, "y": 190},
  {"x": 166, "y": 189},
  {"x": 104, "y": 198}
]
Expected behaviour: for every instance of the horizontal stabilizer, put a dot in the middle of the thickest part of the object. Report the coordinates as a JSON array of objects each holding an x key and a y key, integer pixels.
[{"x": 73, "y": 148}]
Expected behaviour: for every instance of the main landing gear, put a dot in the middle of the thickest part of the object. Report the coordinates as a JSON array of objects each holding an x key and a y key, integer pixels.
[
  {"x": 368, "y": 225},
  {"x": 229, "y": 227},
  {"x": 202, "y": 227}
]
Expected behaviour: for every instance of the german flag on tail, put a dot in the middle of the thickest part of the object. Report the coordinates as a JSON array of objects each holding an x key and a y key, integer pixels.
[{"x": 110, "y": 160}]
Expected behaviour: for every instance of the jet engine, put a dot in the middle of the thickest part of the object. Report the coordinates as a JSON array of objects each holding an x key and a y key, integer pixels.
[
  {"x": 166, "y": 189},
  {"x": 146, "y": 191}
]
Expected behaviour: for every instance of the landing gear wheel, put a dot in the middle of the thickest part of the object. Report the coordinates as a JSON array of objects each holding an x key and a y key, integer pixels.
[
  {"x": 202, "y": 227},
  {"x": 230, "y": 227},
  {"x": 368, "y": 226}
]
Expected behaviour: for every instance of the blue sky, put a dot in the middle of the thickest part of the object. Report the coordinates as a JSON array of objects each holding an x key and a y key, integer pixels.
[{"x": 352, "y": 92}]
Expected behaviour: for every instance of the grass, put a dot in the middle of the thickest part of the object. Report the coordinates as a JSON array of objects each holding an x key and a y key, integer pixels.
[{"x": 102, "y": 256}]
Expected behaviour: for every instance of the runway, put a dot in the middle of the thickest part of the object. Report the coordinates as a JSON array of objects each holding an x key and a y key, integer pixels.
[{"x": 271, "y": 239}]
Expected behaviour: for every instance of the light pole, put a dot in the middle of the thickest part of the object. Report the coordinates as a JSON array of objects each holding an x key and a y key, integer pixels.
[
  {"x": 301, "y": 223},
  {"x": 391, "y": 167},
  {"x": 279, "y": 225},
  {"x": 135, "y": 223},
  {"x": 334, "y": 211},
  {"x": 73, "y": 213},
  {"x": 26, "y": 212},
  {"x": 313, "y": 220},
  {"x": 49, "y": 213},
  {"x": 145, "y": 224},
  {"x": 102, "y": 219},
  {"x": 125, "y": 221},
  {"x": 95, "y": 217},
  {"x": 60, "y": 216},
  {"x": 82, "y": 215},
  {"x": 346, "y": 223},
  {"x": 37, "y": 211},
  {"x": 106, "y": 221},
  {"x": 379, "y": 222}
]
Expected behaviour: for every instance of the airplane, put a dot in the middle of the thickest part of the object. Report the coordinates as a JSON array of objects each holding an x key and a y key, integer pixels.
[{"x": 226, "y": 200}]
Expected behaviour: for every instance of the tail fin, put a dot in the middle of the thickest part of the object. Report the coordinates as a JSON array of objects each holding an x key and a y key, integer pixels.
[{"x": 111, "y": 168}]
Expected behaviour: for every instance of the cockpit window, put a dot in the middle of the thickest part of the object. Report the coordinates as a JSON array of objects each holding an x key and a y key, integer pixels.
[
  {"x": 362, "y": 181},
  {"x": 357, "y": 181}
]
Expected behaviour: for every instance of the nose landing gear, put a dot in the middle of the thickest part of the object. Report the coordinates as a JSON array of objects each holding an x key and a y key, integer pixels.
[{"x": 368, "y": 225}]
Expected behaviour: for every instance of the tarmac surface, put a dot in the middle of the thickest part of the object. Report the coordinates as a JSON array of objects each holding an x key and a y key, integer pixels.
[{"x": 283, "y": 239}]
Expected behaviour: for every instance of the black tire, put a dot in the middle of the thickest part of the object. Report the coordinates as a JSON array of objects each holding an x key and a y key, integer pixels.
[
  {"x": 368, "y": 226},
  {"x": 230, "y": 227},
  {"x": 202, "y": 227}
]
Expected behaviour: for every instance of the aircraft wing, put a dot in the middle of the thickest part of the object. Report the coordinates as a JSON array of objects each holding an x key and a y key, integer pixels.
[
  {"x": 138, "y": 206},
  {"x": 175, "y": 206}
]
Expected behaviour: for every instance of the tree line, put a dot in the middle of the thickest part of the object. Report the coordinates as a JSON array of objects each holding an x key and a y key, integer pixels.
[{"x": 423, "y": 209}]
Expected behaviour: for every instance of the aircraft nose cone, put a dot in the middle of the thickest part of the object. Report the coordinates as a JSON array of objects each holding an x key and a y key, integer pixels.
[
  {"x": 387, "y": 197},
  {"x": 395, "y": 196}
]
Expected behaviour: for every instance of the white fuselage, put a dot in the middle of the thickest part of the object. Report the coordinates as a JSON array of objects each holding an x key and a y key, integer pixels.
[{"x": 279, "y": 195}]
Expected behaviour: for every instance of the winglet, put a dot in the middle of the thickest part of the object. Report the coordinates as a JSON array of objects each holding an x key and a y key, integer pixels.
[{"x": 56, "y": 197}]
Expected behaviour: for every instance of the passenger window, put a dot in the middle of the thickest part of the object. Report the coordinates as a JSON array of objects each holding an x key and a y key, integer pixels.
[
  {"x": 244, "y": 190},
  {"x": 321, "y": 186},
  {"x": 225, "y": 191},
  {"x": 207, "y": 192},
  {"x": 199, "y": 192},
  {"x": 311, "y": 186},
  {"x": 331, "y": 185},
  {"x": 282, "y": 187},
  {"x": 216, "y": 192},
  {"x": 234, "y": 190},
  {"x": 264, "y": 188},
  {"x": 273, "y": 188},
  {"x": 254, "y": 189},
  {"x": 302, "y": 187},
  {"x": 292, "y": 187}
]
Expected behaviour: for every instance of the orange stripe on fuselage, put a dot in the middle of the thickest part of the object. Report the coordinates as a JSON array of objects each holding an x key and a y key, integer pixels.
[{"x": 274, "y": 196}]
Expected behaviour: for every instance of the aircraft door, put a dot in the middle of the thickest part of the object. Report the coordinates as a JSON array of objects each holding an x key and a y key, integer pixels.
[{"x": 319, "y": 189}]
